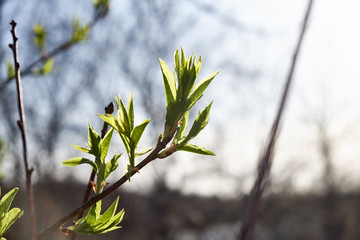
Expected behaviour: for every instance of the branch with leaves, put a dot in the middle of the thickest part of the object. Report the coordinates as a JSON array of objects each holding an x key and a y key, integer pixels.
[
  {"x": 181, "y": 96},
  {"x": 45, "y": 63}
]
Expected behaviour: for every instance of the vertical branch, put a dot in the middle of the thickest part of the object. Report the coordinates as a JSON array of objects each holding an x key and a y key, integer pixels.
[
  {"x": 109, "y": 109},
  {"x": 21, "y": 124},
  {"x": 268, "y": 153}
]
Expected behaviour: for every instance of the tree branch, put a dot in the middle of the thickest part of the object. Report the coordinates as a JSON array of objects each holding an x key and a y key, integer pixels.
[
  {"x": 152, "y": 156},
  {"x": 61, "y": 48},
  {"x": 266, "y": 159},
  {"x": 22, "y": 126}
]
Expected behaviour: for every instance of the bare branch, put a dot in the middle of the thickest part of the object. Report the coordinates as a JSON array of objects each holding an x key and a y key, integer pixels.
[
  {"x": 266, "y": 158},
  {"x": 22, "y": 127}
]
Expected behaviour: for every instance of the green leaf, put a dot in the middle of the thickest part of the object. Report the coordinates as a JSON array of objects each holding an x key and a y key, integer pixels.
[
  {"x": 9, "y": 219},
  {"x": 80, "y": 32},
  {"x": 137, "y": 133},
  {"x": 48, "y": 66},
  {"x": 180, "y": 132},
  {"x": 103, "y": 221},
  {"x": 124, "y": 118},
  {"x": 10, "y": 70},
  {"x": 142, "y": 152},
  {"x": 111, "y": 165},
  {"x": 94, "y": 223},
  {"x": 112, "y": 121},
  {"x": 130, "y": 111},
  {"x": 195, "y": 149},
  {"x": 177, "y": 64},
  {"x": 126, "y": 142},
  {"x": 82, "y": 149},
  {"x": 111, "y": 225},
  {"x": 199, "y": 90},
  {"x": 105, "y": 143},
  {"x": 39, "y": 38},
  {"x": 94, "y": 141},
  {"x": 79, "y": 160},
  {"x": 199, "y": 123},
  {"x": 93, "y": 213},
  {"x": 6, "y": 201},
  {"x": 169, "y": 83}
]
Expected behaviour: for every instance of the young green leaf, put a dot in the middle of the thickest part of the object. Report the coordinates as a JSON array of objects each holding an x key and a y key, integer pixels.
[
  {"x": 94, "y": 141},
  {"x": 104, "y": 219},
  {"x": 105, "y": 143},
  {"x": 180, "y": 132},
  {"x": 169, "y": 83},
  {"x": 111, "y": 165},
  {"x": 142, "y": 152},
  {"x": 39, "y": 38},
  {"x": 48, "y": 66},
  {"x": 95, "y": 223},
  {"x": 6, "y": 200},
  {"x": 124, "y": 117},
  {"x": 199, "y": 123},
  {"x": 10, "y": 70},
  {"x": 80, "y": 32},
  {"x": 93, "y": 213},
  {"x": 130, "y": 111},
  {"x": 199, "y": 90},
  {"x": 79, "y": 160},
  {"x": 112, "y": 121},
  {"x": 9, "y": 219},
  {"x": 137, "y": 133},
  {"x": 82, "y": 149},
  {"x": 195, "y": 149}
]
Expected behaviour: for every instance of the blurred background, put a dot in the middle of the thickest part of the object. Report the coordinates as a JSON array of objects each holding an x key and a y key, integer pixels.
[{"x": 313, "y": 192}]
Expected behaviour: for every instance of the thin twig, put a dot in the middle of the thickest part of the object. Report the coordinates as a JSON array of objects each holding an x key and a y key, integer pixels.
[
  {"x": 108, "y": 110},
  {"x": 266, "y": 159},
  {"x": 22, "y": 127},
  {"x": 152, "y": 156}
]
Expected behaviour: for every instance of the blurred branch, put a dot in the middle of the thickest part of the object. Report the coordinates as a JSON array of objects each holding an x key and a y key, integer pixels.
[
  {"x": 266, "y": 158},
  {"x": 99, "y": 14},
  {"x": 22, "y": 127}
]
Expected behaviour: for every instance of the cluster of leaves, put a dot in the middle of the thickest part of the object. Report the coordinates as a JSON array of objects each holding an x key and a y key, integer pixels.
[
  {"x": 180, "y": 98},
  {"x": 98, "y": 148},
  {"x": 39, "y": 40},
  {"x": 128, "y": 132},
  {"x": 8, "y": 217},
  {"x": 95, "y": 223},
  {"x": 80, "y": 32}
]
